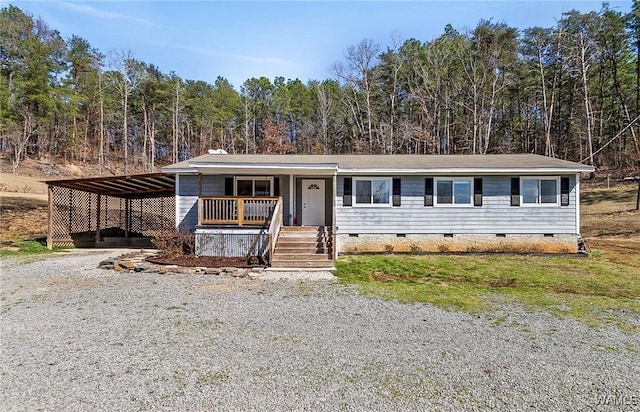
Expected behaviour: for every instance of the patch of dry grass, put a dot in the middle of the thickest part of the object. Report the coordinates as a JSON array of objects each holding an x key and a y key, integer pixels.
[
  {"x": 22, "y": 217},
  {"x": 610, "y": 223}
]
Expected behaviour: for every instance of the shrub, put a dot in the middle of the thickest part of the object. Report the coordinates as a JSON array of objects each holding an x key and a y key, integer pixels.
[{"x": 175, "y": 243}]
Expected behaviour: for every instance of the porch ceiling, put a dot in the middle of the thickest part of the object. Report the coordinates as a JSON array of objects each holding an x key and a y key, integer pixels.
[{"x": 130, "y": 186}]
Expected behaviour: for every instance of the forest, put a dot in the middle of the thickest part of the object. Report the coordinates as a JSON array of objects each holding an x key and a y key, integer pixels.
[{"x": 571, "y": 91}]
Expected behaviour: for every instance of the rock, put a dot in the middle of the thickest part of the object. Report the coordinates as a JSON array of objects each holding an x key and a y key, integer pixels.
[
  {"x": 141, "y": 267},
  {"x": 126, "y": 264},
  {"x": 106, "y": 264},
  {"x": 212, "y": 271},
  {"x": 238, "y": 273}
]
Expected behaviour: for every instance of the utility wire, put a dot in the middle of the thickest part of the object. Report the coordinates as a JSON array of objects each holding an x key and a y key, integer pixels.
[{"x": 612, "y": 139}]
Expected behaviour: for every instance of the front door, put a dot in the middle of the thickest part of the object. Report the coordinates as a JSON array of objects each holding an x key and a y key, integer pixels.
[{"x": 312, "y": 202}]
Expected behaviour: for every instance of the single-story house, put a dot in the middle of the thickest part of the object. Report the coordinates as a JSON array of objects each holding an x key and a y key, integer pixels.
[{"x": 304, "y": 210}]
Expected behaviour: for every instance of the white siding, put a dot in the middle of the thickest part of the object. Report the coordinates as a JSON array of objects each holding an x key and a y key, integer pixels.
[{"x": 494, "y": 216}]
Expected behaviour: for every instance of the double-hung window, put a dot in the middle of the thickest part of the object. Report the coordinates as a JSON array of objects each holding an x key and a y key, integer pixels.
[
  {"x": 540, "y": 191},
  {"x": 454, "y": 191},
  {"x": 254, "y": 186},
  {"x": 371, "y": 191}
]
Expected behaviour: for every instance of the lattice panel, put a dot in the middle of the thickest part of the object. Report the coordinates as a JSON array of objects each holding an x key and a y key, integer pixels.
[
  {"x": 152, "y": 216},
  {"x": 74, "y": 218}
]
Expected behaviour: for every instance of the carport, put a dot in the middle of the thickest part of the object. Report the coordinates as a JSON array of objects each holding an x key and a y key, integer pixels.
[{"x": 113, "y": 211}]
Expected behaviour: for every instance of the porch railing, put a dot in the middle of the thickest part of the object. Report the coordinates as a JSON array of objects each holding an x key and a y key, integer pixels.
[
  {"x": 274, "y": 228},
  {"x": 233, "y": 210}
]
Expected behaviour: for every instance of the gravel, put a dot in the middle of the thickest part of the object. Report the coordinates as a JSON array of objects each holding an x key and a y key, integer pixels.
[{"x": 74, "y": 337}]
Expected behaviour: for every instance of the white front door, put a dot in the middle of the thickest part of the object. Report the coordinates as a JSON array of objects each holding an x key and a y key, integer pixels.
[{"x": 312, "y": 202}]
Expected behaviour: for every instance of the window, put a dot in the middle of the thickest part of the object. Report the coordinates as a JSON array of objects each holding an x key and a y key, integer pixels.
[
  {"x": 254, "y": 186},
  {"x": 539, "y": 191},
  {"x": 454, "y": 191},
  {"x": 373, "y": 191}
]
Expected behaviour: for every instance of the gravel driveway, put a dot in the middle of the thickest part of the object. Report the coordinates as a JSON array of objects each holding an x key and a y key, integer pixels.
[{"x": 74, "y": 337}]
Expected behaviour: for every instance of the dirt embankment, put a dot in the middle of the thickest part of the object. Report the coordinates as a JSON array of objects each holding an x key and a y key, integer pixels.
[{"x": 23, "y": 198}]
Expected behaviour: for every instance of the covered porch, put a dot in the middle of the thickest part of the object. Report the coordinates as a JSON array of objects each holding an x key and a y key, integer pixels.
[{"x": 240, "y": 211}]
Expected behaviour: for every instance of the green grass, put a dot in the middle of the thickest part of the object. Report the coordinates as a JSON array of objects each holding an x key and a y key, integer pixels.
[
  {"x": 28, "y": 248},
  {"x": 590, "y": 289}
]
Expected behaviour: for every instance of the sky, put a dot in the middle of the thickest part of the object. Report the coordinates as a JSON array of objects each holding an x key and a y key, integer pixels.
[{"x": 238, "y": 40}]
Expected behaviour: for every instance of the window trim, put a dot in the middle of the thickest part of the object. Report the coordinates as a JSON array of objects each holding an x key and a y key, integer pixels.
[
  {"x": 253, "y": 184},
  {"x": 538, "y": 203},
  {"x": 354, "y": 191},
  {"x": 436, "y": 202}
]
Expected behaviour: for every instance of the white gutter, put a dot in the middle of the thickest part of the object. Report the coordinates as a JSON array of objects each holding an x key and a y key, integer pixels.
[
  {"x": 184, "y": 170},
  {"x": 464, "y": 171}
]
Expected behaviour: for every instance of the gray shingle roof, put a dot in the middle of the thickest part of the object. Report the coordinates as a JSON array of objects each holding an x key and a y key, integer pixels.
[{"x": 516, "y": 162}]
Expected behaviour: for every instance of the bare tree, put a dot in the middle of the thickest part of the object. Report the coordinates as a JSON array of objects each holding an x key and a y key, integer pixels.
[
  {"x": 357, "y": 74},
  {"x": 325, "y": 106},
  {"x": 127, "y": 76}
]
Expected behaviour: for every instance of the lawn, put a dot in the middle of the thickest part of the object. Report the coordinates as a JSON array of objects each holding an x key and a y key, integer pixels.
[{"x": 601, "y": 289}]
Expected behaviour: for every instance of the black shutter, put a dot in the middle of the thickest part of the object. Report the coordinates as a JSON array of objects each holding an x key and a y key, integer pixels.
[
  {"x": 228, "y": 186},
  {"x": 346, "y": 198},
  {"x": 428, "y": 191},
  {"x": 564, "y": 191},
  {"x": 515, "y": 191},
  {"x": 397, "y": 192},
  {"x": 276, "y": 186},
  {"x": 477, "y": 191}
]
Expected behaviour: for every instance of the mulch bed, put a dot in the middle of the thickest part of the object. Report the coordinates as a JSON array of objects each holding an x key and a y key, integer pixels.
[{"x": 207, "y": 261}]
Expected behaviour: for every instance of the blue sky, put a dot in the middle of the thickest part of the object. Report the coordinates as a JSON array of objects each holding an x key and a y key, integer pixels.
[{"x": 201, "y": 40}]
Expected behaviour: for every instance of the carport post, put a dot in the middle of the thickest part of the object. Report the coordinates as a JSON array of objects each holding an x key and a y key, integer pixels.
[
  {"x": 127, "y": 217},
  {"x": 98, "y": 220},
  {"x": 50, "y": 224}
]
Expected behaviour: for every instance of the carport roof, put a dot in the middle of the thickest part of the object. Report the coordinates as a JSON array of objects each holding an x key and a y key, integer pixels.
[{"x": 129, "y": 186}]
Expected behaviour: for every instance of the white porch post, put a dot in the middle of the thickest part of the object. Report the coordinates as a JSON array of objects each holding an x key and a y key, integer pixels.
[
  {"x": 292, "y": 211},
  {"x": 334, "y": 227},
  {"x": 177, "y": 194}
]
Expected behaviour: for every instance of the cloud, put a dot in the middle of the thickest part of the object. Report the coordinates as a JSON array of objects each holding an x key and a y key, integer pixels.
[
  {"x": 106, "y": 14},
  {"x": 253, "y": 59}
]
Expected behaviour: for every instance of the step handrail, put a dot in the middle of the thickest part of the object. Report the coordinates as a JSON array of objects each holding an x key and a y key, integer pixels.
[{"x": 274, "y": 227}]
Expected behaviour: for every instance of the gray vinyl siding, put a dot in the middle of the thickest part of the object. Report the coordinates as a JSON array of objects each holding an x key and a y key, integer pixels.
[
  {"x": 286, "y": 207},
  {"x": 187, "y": 202},
  {"x": 212, "y": 185},
  {"x": 494, "y": 216}
]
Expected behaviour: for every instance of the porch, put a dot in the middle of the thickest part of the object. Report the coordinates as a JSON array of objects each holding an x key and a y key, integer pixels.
[{"x": 237, "y": 226}]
